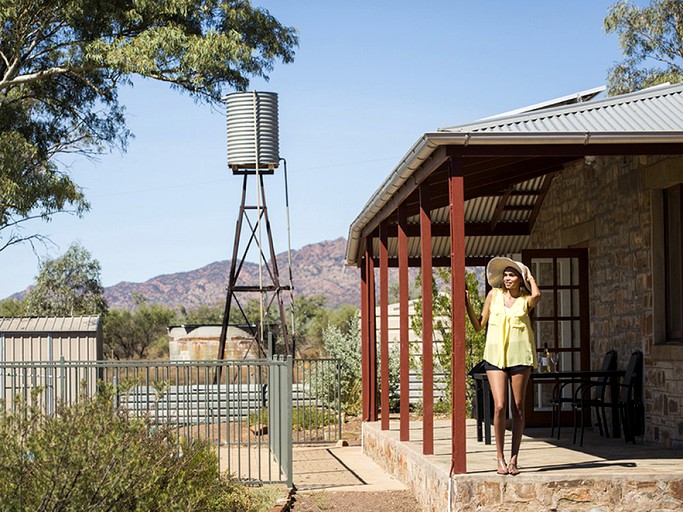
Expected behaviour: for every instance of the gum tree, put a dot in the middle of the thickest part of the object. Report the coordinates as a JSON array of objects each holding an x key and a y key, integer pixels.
[
  {"x": 63, "y": 62},
  {"x": 67, "y": 285},
  {"x": 651, "y": 39}
]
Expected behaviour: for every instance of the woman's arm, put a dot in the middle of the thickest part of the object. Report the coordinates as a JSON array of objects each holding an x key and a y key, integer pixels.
[
  {"x": 535, "y": 296},
  {"x": 478, "y": 323}
]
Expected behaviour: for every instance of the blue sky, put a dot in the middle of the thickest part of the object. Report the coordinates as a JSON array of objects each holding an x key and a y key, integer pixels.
[{"x": 369, "y": 78}]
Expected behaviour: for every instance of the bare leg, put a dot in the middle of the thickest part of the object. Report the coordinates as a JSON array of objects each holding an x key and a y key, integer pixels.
[
  {"x": 519, "y": 383},
  {"x": 498, "y": 382}
]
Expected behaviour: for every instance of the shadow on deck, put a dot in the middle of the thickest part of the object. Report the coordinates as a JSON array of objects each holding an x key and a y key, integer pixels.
[{"x": 603, "y": 475}]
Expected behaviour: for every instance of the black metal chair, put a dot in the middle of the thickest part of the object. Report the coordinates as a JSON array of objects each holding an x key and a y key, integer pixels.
[
  {"x": 626, "y": 404},
  {"x": 591, "y": 393},
  {"x": 558, "y": 400},
  {"x": 631, "y": 408}
]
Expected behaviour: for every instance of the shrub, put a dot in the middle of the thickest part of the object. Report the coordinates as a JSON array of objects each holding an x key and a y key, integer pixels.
[
  {"x": 475, "y": 341},
  {"x": 92, "y": 456},
  {"x": 345, "y": 346}
]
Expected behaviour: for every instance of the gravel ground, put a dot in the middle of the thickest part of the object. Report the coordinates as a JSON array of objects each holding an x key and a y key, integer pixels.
[
  {"x": 354, "y": 501},
  {"x": 389, "y": 501}
]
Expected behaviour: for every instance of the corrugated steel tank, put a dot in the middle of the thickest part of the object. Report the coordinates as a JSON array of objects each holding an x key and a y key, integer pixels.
[{"x": 253, "y": 137}]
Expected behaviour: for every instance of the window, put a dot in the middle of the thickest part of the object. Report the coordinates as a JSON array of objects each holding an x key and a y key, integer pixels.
[{"x": 673, "y": 262}]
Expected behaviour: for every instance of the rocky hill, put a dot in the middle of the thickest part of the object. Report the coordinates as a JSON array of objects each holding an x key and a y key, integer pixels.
[{"x": 317, "y": 269}]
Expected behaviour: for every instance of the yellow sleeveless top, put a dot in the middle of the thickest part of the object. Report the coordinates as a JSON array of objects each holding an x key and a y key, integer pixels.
[{"x": 510, "y": 336}]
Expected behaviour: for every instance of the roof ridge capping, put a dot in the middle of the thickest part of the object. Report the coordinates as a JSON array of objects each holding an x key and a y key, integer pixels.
[{"x": 584, "y": 106}]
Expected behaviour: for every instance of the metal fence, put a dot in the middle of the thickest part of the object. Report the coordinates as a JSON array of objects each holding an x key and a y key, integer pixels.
[
  {"x": 316, "y": 401},
  {"x": 251, "y": 410}
]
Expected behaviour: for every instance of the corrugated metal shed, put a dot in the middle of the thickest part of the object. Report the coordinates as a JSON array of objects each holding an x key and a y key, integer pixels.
[
  {"x": 31, "y": 339},
  {"x": 52, "y": 324}
]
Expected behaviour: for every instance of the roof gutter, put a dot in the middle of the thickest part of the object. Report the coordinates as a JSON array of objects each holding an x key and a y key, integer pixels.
[{"x": 425, "y": 146}]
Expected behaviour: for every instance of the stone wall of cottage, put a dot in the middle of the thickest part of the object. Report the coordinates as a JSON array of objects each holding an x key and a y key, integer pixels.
[{"x": 605, "y": 205}]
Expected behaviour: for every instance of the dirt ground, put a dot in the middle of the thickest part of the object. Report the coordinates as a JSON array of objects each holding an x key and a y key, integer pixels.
[
  {"x": 389, "y": 501},
  {"x": 350, "y": 501}
]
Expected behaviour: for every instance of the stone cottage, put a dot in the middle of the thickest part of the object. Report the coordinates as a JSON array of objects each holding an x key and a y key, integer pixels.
[{"x": 588, "y": 194}]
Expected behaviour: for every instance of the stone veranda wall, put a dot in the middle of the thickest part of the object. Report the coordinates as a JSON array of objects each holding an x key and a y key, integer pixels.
[{"x": 606, "y": 205}]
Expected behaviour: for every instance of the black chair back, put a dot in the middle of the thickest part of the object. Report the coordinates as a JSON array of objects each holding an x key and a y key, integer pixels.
[
  {"x": 633, "y": 378},
  {"x": 609, "y": 363},
  {"x": 630, "y": 400}
]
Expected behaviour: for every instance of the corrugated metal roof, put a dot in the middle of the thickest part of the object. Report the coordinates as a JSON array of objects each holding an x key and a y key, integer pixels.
[
  {"x": 49, "y": 324},
  {"x": 653, "y": 116},
  {"x": 652, "y": 110}
]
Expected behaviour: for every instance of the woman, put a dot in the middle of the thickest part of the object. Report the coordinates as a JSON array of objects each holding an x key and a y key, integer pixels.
[{"x": 510, "y": 351}]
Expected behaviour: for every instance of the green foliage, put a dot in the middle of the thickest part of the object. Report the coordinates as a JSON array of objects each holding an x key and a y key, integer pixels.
[
  {"x": 310, "y": 320},
  {"x": 394, "y": 377},
  {"x": 650, "y": 39},
  {"x": 413, "y": 291},
  {"x": 343, "y": 317},
  {"x": 303, "y": 418},
  {"x": 91, "y": 456},
  {"x": 12, "y": 307},
  {"x": 311, "y": 418},
  {"x": 475, "y": 341},
  {"x": 69, "y": 285},
  {"x": 346, "y": 348},
  {"x": 63, "y": 63},
  {"x": 201, "y": 315},
  {"x": 133, "y": 334}
]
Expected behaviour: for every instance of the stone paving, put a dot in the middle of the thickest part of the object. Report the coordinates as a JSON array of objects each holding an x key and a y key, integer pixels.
[{"x": 345, "y": 468}]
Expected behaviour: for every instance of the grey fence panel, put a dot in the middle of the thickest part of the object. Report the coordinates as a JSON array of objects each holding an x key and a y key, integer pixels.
[
  {"x": 224, "y": 403},
  {"x": 316, "y": 401},
  {"x": 280, "y": 420}
]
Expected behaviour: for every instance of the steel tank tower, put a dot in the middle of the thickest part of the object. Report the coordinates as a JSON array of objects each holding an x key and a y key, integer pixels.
[{"x": 253, "y": 154}]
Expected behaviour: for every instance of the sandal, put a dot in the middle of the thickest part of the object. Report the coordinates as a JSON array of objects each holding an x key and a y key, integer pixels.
[
  {"x": 502, "y": 468},
  {"x": 512, "y": 469}
]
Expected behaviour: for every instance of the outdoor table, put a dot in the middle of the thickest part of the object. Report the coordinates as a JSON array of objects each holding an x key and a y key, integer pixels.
[{"x": 483, "y": 394}]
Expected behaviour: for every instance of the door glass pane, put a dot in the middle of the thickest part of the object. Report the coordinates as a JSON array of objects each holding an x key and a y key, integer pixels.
[
  {"x": 576, "y": 361},
  {"x": 566, "y": 336},
  {"x": 567, "y": 272},
  {"x": 576, "y": 333},
  {"x": 542, "y": 270},
  {"x": 544, "y": 333},
  {"x": 546, "y": 306},
  {"x": 568, "y": 303},
  {"x": 565, "y": 362},
  {"x": 575, "y": 302},
  {"x": 564, "y": 303},
  {"x": 543, "y": 392}
]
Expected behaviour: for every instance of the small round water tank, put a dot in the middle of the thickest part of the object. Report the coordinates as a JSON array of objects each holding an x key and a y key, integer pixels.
[{"x": 253, "y": 139}]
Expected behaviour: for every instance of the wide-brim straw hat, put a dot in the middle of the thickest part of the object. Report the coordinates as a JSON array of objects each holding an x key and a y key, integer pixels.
[{"x": 496, "y": 267}]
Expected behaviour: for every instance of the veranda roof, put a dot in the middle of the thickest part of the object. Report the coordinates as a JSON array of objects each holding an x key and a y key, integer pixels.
[{"x": 508, "y": 163}]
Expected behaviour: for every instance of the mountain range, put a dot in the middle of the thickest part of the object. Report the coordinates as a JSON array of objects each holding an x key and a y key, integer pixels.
[{"x": 317, "y": 269}]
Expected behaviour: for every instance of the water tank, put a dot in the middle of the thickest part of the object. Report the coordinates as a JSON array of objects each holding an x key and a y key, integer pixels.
[{"x": 253, "y": 139}]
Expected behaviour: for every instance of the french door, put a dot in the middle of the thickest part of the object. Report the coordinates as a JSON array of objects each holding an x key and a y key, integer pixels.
[{"x": 560, "y": 320}]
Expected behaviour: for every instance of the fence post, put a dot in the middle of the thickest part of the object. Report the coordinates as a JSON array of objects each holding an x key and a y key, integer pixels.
[
  {"x": 339, "y": 397},
  {"x": 62, "y": 368},
  {"x": 286, "y": 430}
]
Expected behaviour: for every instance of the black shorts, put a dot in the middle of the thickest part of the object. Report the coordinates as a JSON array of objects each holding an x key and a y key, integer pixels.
[{"x": 510, "y": 370}]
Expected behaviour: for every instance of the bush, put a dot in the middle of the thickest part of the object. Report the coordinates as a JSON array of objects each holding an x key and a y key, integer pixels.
[
  {"x": 345, "y": 346},
  {"x": 475, "y": 341},
  {"x": 92, "y": 456}
]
